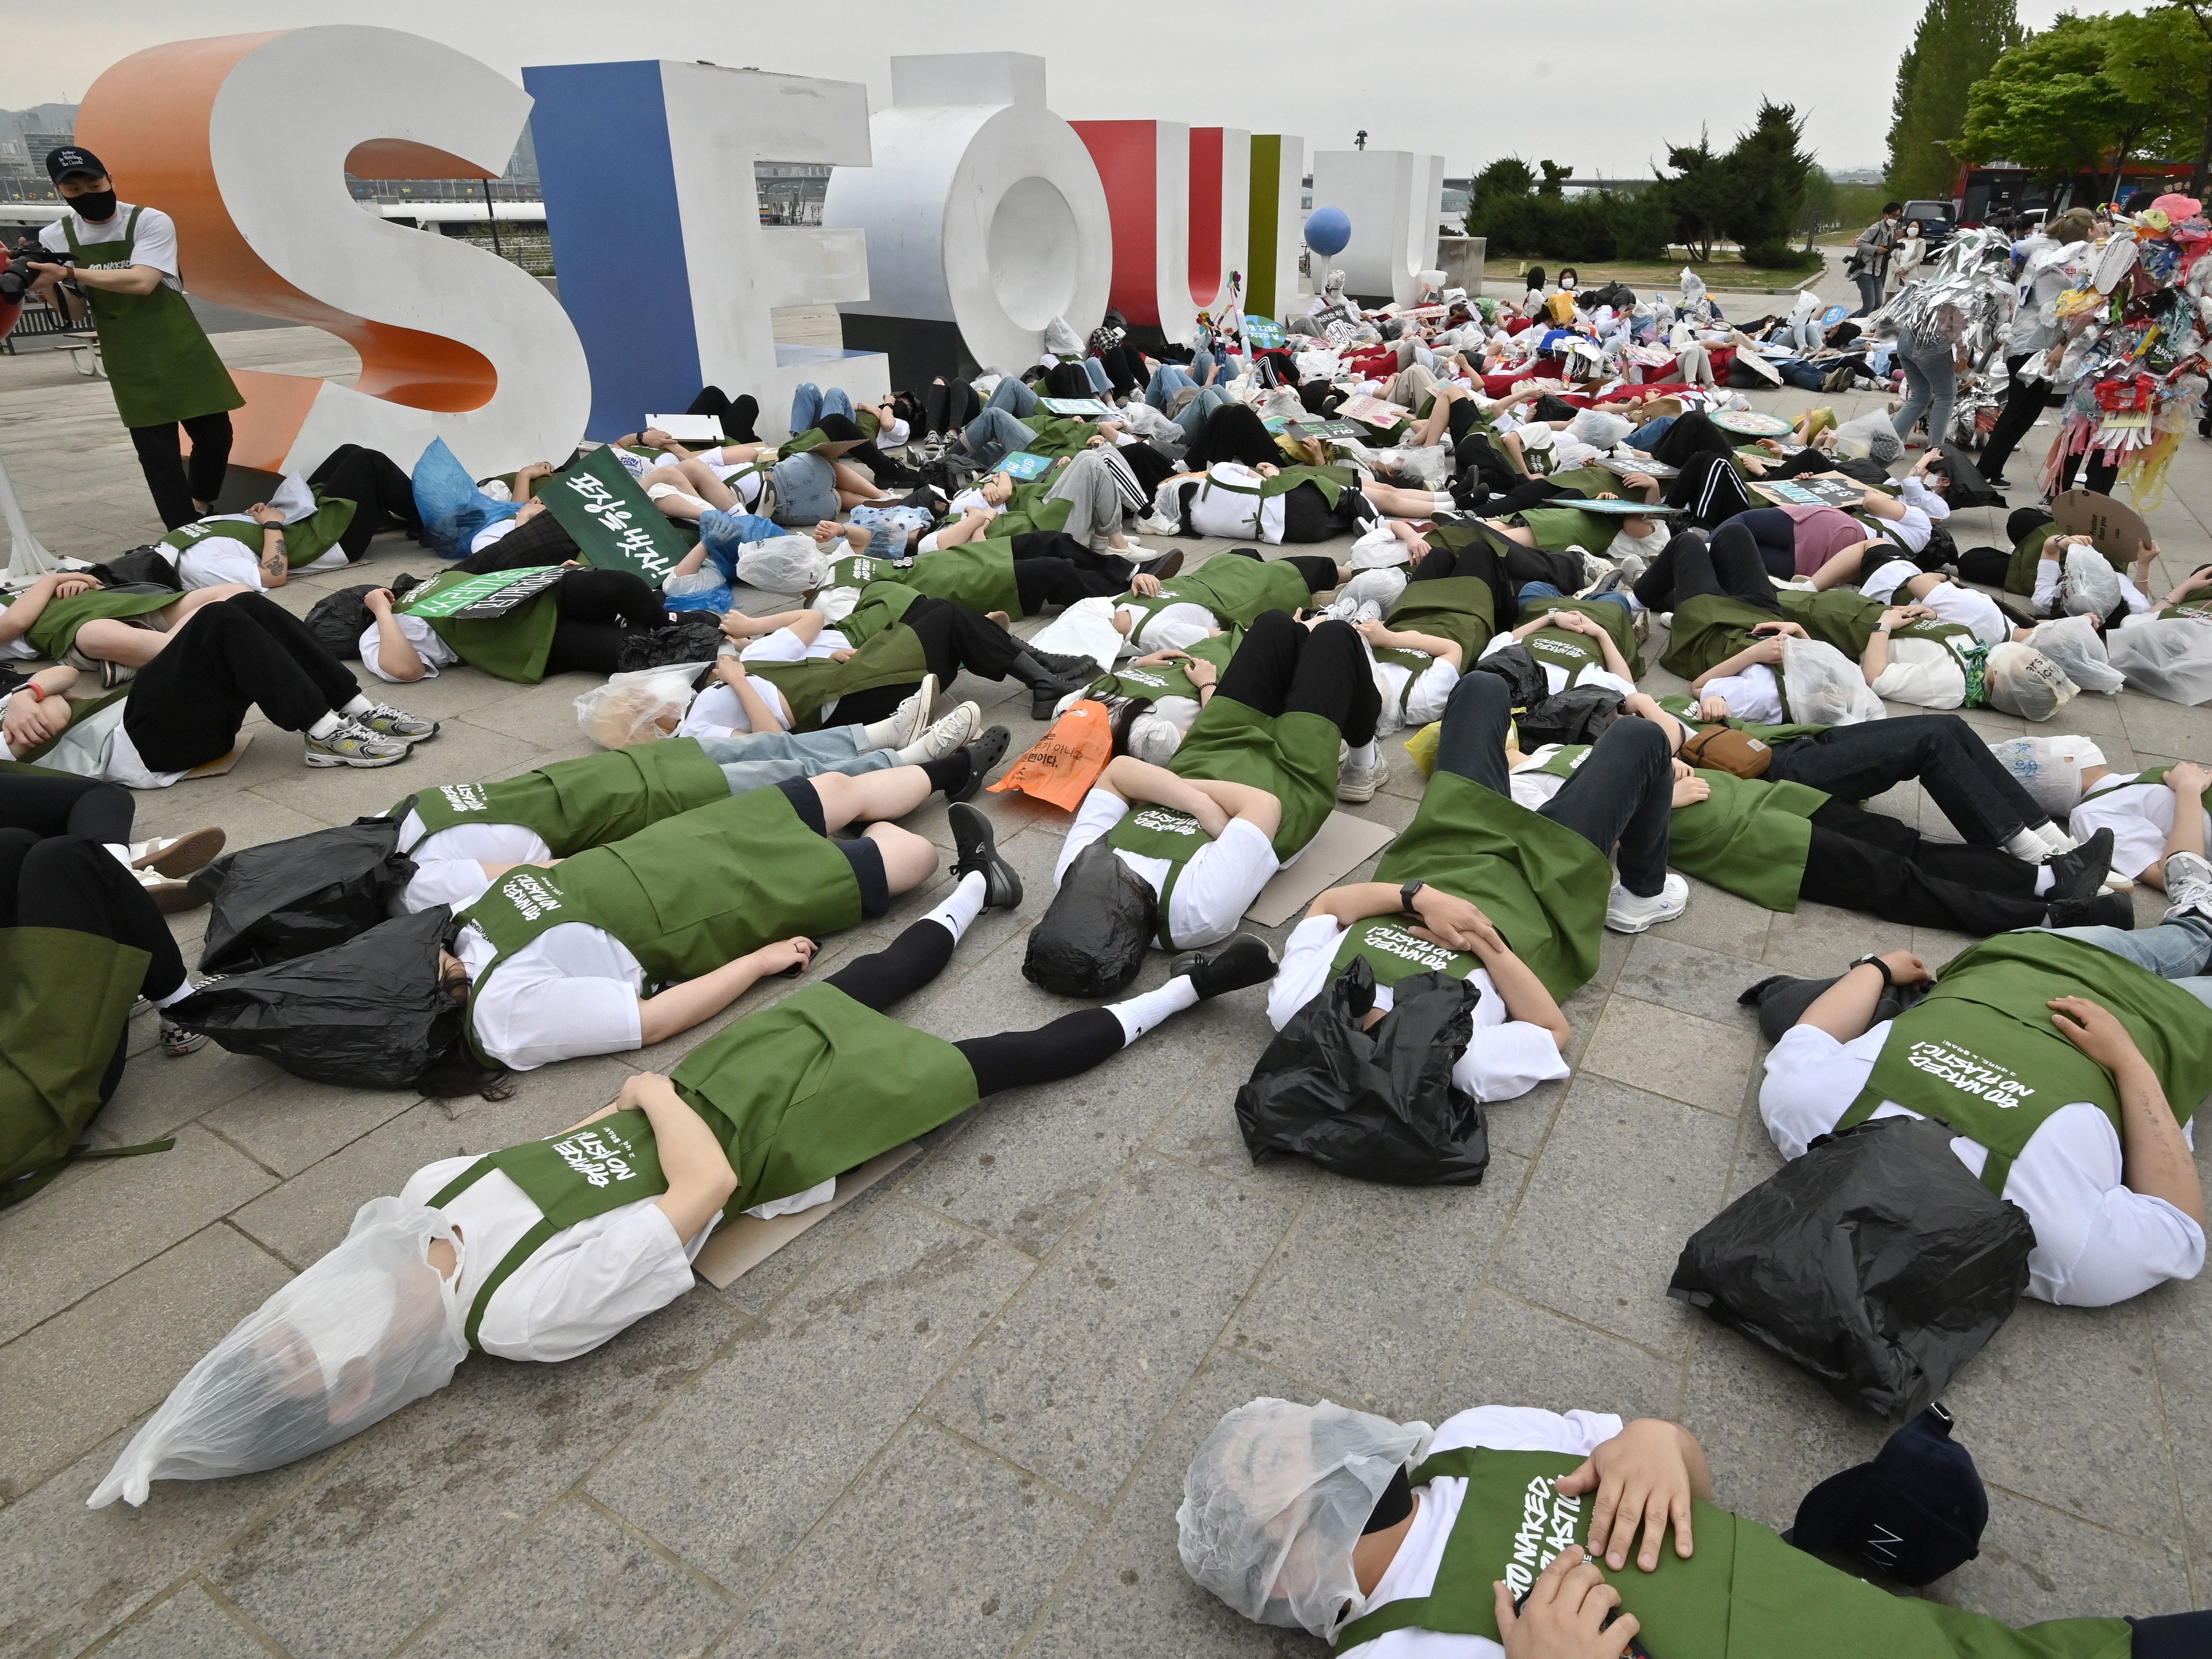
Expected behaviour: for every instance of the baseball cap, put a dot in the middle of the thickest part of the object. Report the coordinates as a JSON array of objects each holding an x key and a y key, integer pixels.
[
  {"x": 69, "y": 159},
  {"x": 1913, "y": 1513}
]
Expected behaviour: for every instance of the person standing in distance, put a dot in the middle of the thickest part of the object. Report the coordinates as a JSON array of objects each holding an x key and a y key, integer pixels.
[{"x": 158, "y": 359}]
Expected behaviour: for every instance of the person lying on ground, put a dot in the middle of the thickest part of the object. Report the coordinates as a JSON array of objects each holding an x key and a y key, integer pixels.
[
  {"x": 2068, "y": 1063},
  {"x": 545, "y": 1251},
  {"x": 1483, "y": 1538},
  {"x": 2139, "y": 808},
  {"x": 1572, "y": 646},
  {"x": 45, "y": 804},
  {"x": 121, "y": 627},
  {"x": 299, "y": 529},
  {"x": 1630, "y": 543},
  {"x": 1231, "y": 589},
  {"x": 1882, "y": 572},
  {"x": 1282, "y": 504},
  {"x": 578, "y": 625}
]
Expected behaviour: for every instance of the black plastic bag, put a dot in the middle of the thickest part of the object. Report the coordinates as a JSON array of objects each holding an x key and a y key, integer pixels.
[
  {"x": 338, "y": 620},
  {"x": 1877, "y": 1263},
  {"x": 368, "y": 1014},
  {"x": 287, "y": 899},
  {"x": 1518, "y": 667},
  {"x": 1576, "y": 715},
  {"x": 1378, "y": 1105},
  {"x": 1782, "y": 1001},
  {"x": 696, "y": 638},
  {"x": 1092, "y": 938},
  {"x": 1967, "y": 488},
  {"x": 141, "y": 567}
]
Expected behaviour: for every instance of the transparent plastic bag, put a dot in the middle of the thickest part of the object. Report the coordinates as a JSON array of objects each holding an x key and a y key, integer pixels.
[
  {"x": 640, "y": 707},
  {"x": 2074, "y": 643},
  {"x": 2087, "y": 584},
  {"x": 2167, "y": 657},
  {"x": 2022, "y": 681},
  {"x": 1825, "y": 687},
  {"x": 702, "y": 590},
  {"x": 1418, "y": 468},
  {"x": 2049, "y": 768},
  {"x": 783, "y": 564}
]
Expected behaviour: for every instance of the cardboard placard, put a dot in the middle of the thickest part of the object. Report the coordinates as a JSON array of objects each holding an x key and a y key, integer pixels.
[
  {"x": 222, "y": 763},
  {"x": 1024, "y": 465},
  {"x": 1616, "y": 509},
  {"x": 2116, "y": 531},
  {"x": 1372, "y": 411},
  {"x": 1076, "y": 406},
  {"x": 615, "y": 526},
  {"x": 482, "y": 597},
  {"x": 741, "y": 1245},
  {"x": 1818, "y": 490},
  {"x": 1750, "y": 423},
  {"x": 1341, "y": 844},
  {"x": 1263, "y": 333},
  {"x": 1657, "y": 471},
  {"x": 1350, "y": 430},
  {"x": 689, "y": 429}
]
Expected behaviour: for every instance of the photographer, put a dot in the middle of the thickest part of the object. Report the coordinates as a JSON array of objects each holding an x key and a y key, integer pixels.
[{"x": 158, "y": 359}]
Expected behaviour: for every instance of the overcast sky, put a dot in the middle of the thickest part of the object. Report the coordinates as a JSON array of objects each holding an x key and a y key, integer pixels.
[{"x": 1599, "y": 84}]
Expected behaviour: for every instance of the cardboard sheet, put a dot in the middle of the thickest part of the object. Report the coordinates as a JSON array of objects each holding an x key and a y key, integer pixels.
[
  {"x": 222, "y": 763},
  {"x": 1343, "y": 843},
  {"x": 739, "y": 1245},
  {"x": 2117, "y": 529},
  {"x": 689, "y": 429}
]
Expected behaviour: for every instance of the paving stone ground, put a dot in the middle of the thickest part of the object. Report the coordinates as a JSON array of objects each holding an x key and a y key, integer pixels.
[{"x": 953, "y": 1418}]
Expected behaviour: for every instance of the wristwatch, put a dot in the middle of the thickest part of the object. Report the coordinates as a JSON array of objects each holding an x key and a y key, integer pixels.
[
  {"x": 1888, "y": 980},
  {"x": 1405, "y": 897}
]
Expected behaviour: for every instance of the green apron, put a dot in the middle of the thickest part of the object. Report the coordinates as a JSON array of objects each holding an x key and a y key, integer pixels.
[
  {"x": 2028, "y": 553},
  {"x": 1235, "y": 589},
  {"x": 1542, "y": 886},
  {"x": 684, "y": 896},
  {"x": 1031, "y": 507},
  {"x": 1842, "y": 617},
  {"x": 885, "y": 652},
  {"x": 1057, "y": 437},
  {"x": 1557, "y": 528},
  {"x": 304, "y": 542},
  {"x": 797, "y": 1094},
  {"x": 1158, "y": 679},
  {"x": 1981, "y": 1056},
  {"x": 975, "y": 575},
  {"x": 157, "y": 355},
  {"x": 2200, "y": 609},
  {"x": 1557, "y": 648},
  {"x": 64, "y": 999},
  {"x": 513, "y": 646},
  {"x": 1744, "y": 1594},
  {"x": 1711, "y": 628},
  {"x": 575, "y": 805},
  {"x": 1749, "y": 836},
  {"x": 55, "y": 632},
  {"x": 1458, "y": 608}
]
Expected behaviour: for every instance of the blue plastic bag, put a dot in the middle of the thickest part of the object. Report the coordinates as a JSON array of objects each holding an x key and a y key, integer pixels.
[
  {"x": 452, "y": 508},
  {"x": 702, "y": 590}
]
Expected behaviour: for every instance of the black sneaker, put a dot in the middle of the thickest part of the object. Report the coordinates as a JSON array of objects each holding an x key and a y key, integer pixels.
[
  {"x": 2081, "y": 872},
  {"x": 1062, "y": 664},
  {"x": 977, "y": 848},
  {"x": 985, "y": 753},
  {"x": 1045, "y": 694},
  {"x": 1162, "y": 567},
  {"x": 2102, "y": 910},
  {"x": 1242, "y": 960}
]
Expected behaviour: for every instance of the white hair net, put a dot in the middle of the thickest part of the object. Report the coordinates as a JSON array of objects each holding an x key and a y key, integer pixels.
[
  {"x": 1061, "y": 339},
  {"x": 2167, "y": 657},
  {"x": 1155, "y": 738},
  {"x": 642, "y": 706},
  {"x": 2049, "y": 768},
  {"x": 1333, "y": 283},
  {"x": 369, "y": 1328},
  {"x": 1823, "y": 686},
  {"x": 1599, "y": 428},
  {"x": 1276, "y": 1498},
  {"x": 2074, "y": 643},
  {"x": 2087, "y": 583},
  {"x": 2022, "y": 681}
]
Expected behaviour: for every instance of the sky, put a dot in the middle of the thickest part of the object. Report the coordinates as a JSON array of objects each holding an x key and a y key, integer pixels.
[{"x": 1593, "y": 84}]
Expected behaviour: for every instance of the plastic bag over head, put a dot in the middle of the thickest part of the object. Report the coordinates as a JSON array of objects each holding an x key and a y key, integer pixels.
[
  {"x": 1871, "y": 437},
  {"x": 338, "y": 620},
  {"x": 2049, "y": 768},
  {"x": 2167, "y": 657},
  {"x": 1599, "y": 428},
  {"x": 453, "y": 510},
  {"x": 1825, "y": 687},
  {"x": 1061, "y": 339},
  {"x": 783, "y": 564},
  {"x": 1877, "y": 1263},
  {"x": 369, "y": 1328},
  {"x": 368, "y": 1014},
  {"x": 289, "y": 899},
  {"x": 2022, "y": 681},
  {"x": 2074, "y": 643},
  {"x": 2087, "y": 584},
  {"x": 1092, "y": 937},
  {"x": 1275, "y": 1499},
  {"x": 642, "y": 706}
]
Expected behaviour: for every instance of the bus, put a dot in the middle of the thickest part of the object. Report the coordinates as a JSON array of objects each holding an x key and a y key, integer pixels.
[{"x": 2000, "y": 187}]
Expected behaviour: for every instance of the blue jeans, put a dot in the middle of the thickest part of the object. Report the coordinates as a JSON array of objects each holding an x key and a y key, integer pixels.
[
  {"x": 2180, "y": 950},
  {"x": 1101, "y": 381},
  {"x": 1546, "y": 590},
  {"x": 1168, "y": 379},
  {"x": 1869, "y": 293},
  {"x": 808, "y": 403},
  {"x": 1016, "y": 398},
  {"x": 752, "y": 761},
  {"x": 725, "y": 534},
  {"x": 1192, "y": 421},
  {"x": 994, "y": 434},
  {"x": 1650, "y": 432},
  {"x": 1931, "y": 386},
  {"x": 806, "y": 491}
]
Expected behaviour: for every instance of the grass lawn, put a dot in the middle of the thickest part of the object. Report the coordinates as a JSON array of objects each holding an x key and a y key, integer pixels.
[{"x": 1644, "y": 276}]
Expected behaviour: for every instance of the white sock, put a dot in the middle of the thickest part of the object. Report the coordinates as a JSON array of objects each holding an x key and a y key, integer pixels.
[
  {"x": 327, "y": 726},
  {"x": 1365, "y": 754},
  {"x": 358, "y": 707},
  {"x": 1441, "y": 501},
  {"x": 123, "y": 853},
  {"x": 1141, "y": 1014},
  {"x": 176, "y": 996},
  {"x": 879, "y": 734},
  {"x": 2045, "y": 880},
  {"x": 961, "y": 907},
  {"x": 2056, "y": 838}
]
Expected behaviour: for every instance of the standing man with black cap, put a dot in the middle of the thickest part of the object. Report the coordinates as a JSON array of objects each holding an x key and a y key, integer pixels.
[{"x": 157, "y": 357}]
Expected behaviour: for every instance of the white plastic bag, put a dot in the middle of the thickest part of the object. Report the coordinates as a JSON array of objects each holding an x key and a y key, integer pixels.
[
  {"x": 2074, "y": 643},
  {"x": 2165, "y": 656},
  {"x": 783, "y": 564},
  {"x": 1823, "y": 686},
  {"x": 640, "y": 707},
  {"x": 2049, "y": 768},
  {"x": 1429, "y": 468},
  {"x": 2022, "y": 681},
  {"x": 367, "y": 1329},
  {"x": 1376, "y": 550},
  {"x": 2087, "y": 584}
]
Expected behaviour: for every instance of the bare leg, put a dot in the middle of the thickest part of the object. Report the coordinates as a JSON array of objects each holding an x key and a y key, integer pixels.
[
  {"x": 876, "y": 796},
  {"x": 1843, "y": 568},
  {"x": 908, "y": 859},
  {"x": 106, "y": 640},
  {"x": 710, "y": 488},
  {"x": 1401, "y": 503},
  {"x": 805, "y": 623}
]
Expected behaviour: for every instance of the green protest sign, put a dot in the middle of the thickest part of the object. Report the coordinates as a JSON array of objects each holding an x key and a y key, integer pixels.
[
  {"x": 477, "y": 598},
  {"x": 615, "y": 526}
]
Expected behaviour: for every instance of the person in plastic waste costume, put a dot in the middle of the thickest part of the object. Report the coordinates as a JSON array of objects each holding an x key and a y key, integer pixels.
[
  {"x": 546, "y": 1250},
  {"x": 1483, "y": 1537}
]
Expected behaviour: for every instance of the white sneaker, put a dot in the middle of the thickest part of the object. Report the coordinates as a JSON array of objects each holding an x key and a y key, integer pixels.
[
  {"x": 1153, "y": 525},
  {"x": 2189, "y": 884},
  {"x": 1595, "y": 570},
  {"x": 1356, "y": 783},
  {"x": 1369, "y": 611},
  {"x": 1626, "y": 913},
  {"x": 905, "y": 724},
  {"x": 952, "y": 731},
  {"x": 354, "y": 745},
  {"x": 1342, "y": 608}
]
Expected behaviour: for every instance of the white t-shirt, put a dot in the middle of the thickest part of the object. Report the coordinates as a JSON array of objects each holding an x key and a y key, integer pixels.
[
  {"x": 1754, "y": 695},
  {"x": 1410, "y": 699},
  {"x": 1172, "y": 628},
  {"x": 1505, "y": 1058},
  {"x": 1925, "y": 673},
  {"x": 1219, "y": 881},
  {"x": 583, "y": 1285},
  {"x": 2140, "y": 820},
  {"x": 1557, "y": 678},
  {"x": 1970, "y": 608},
  {"x": 155, "y": 243},
  {"x": 449, "y": 865},
  {"x": 2096, "y": 1242},
  {"x": 216, "y": 559},
  {"x": 571, "y": 991},
  {"x": 96, "y": 746},
  {"x": 493, "y": 533},
  {"x": 434, "y": 653},
  {"x": 1413, "y": 1570},
  {"x": 1227, "y": 503},
  {"x": 716, "y": 712},
  {"x": 781, "y": 646}
]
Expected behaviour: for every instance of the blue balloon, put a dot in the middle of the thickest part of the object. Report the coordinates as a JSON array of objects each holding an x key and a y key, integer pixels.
[{"x": 1327, "y": 230}]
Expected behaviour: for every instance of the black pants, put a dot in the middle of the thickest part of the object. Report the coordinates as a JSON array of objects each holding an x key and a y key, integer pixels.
[
  {"x": 2173, "y": 1636},
  {"x": 599, "y": 610},
  {"x": 1125, "y": 367},
  {"x": 1318, "y": 570},
  {"x": 953, "y": 637},
  {"x": 1775, "y": 534},
  {"x": 1284, "y": 667},
  {"x": 1013, "y": 1060},
  {"x": 737, "y": 414},
  {"x": 1517, "y": 498},
  {"x": 2024, "y": 402},
  {"x": 1148, "y": 467},
  {"x": 948, "y": 407},
  {"x": 1052, "y": 569},
  {"x": 1865, "y": 861},
  {"x": 187, "y": 704},
  {"x": 178, "y": 491},
  {"x": 65, "y": 806},
  {"x": 1808, "y": 459},
  {"x": 2102, "y": 473},
  {"x": 1728, "y": 565},
  {"x": 1984, "y": 802},
  {"x": 1620, "y": 794},
  {"x": 1506, "y": 566},
  {"x": 380, "y": 492},
  {"x": 77, "y": 886}
]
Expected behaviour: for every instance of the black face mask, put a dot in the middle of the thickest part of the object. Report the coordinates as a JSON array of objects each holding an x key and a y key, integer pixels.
[{"x": 95, "y": 206}]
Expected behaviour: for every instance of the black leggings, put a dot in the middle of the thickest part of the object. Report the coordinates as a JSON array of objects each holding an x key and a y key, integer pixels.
[
  {"x": 953, "y": 637},
  {"x": 1728, "y": 566},
  {"x": 77, "y": 886},
  {"x": 2024, "y": 400},
  {"x": 65, "y": 806},
  {"x": 1284, "y": 667},
  {"x": 380, "y": 491},
  {"x": 177, "y": 489},
  {"x": 1865, "y": 861},
  {"x": 599, "y": 610},
  {"x": 1012, "y": 1059},
  {"x": 946, "y": 407},
  {"x": 187, "y": 704},
  {"x": 737, "y": 414}
]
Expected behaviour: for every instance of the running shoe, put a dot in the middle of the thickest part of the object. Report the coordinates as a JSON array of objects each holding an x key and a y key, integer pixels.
[
  {"x": 355, "y": 744},
  {"x": 976, "y": 846},
  {"x": 387, "y": 721},
  {"x": 1625, "y": 912},
  {"x": 2189, "y": 884},
  {"x": 1241, "y": 960}
]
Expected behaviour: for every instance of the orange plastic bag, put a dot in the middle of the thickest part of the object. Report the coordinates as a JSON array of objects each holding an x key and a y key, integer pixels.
[{"x": 1062, "y": 766}]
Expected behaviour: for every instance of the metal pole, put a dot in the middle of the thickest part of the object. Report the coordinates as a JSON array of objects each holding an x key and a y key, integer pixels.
[{"x": 492, "y": 216}]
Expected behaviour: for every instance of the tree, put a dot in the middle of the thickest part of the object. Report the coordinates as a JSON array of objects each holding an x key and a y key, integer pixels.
[
  {"x": 1823, "y": 206},
  {"x": 2164, "y": 56},
  {"x": 2052, "y": 105},
  {"x": 1556, "y": 175},
  {"x": 1954, "y": 46},
  {"x": 1509, "y": 175},
  {"x": 1766, "y": 174},
  {"x": 1698, "y": 195}
]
